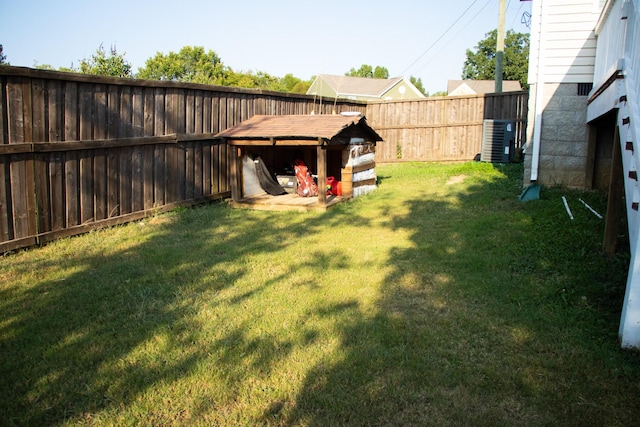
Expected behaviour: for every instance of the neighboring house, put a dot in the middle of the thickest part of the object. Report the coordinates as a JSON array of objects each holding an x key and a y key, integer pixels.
[
  {"x": 476, "y": 87},
  {"x": 584, "y": 116},
  {"x": 363, "y": 88}
]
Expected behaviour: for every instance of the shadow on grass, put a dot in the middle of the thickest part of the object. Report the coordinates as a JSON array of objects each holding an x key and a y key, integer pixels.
[
  {"x": 93, "y": 339},
  {"x": 492, "y": 312},
  {"x": 497, "y": 313}
]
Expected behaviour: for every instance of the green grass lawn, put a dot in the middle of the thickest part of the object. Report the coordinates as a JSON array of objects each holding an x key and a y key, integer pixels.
[{"x": 438, "y": 299}]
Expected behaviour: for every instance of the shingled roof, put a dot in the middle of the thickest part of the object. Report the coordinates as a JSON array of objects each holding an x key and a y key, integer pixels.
[
  {"x": 329, "y": 128},
  {"x": 466, "y": 87},
  {"x": 363, "y": 86}
]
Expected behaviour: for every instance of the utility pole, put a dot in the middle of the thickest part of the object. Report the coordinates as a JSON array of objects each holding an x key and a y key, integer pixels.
[{"x": 500, "y": 45}]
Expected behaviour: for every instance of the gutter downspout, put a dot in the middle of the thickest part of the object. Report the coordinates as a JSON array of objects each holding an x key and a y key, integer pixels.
[{"x": 537, "y": 126}]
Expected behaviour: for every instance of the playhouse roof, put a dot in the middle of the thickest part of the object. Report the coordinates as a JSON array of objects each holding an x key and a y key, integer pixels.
[{"x": 300, "y": 130}]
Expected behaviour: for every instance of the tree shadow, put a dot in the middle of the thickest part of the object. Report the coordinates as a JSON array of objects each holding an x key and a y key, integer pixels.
[
  {"x": 470, "y": 331},
  {"x": 88, "y": 340},
  {"x": 463, "y": 330}
]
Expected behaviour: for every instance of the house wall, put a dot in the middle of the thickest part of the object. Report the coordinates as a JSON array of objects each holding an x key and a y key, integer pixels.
[
  {"x": 564, "y": 137},
  {"x": 321, "y": 88},
  {"x": 562, "y": 56},
  {"x": 402, "y": 90}
]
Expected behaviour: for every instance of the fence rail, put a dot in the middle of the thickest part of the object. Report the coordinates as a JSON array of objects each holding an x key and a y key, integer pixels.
[{"x": 79, "y": 152}]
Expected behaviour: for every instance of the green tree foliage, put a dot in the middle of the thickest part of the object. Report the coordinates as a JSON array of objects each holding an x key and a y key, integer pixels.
[
  {"x": 71, "y": 69},
  {"x": 191, "y": 64},
  {"x": 290, "y": 83},
  {"x": 3, "y": 57},
  {"x": 103, "y": 64},
  {"x": 370, "y": 72},
  {"x": 417, "y": 82},
  {"x": 481, "y": 65}
]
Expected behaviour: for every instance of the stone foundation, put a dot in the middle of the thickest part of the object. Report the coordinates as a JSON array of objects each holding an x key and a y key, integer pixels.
[{"x": 564, "y": 137}]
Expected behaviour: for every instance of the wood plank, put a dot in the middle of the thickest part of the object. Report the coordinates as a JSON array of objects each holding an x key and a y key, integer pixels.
[
  {"x": 86, "y": 119},
  {"x": 207, "y": 120},
  {"x": 4, "y": 125},
  {"x": 126, "y": 129},
  {"x": 171, "y": 107},
  {"x": 172, "y": 173},
  {"x": 20, "y": 148},
  {"x": 6, "y": 212},
  {"x": 158, "y": 176},
  {"x": 15, "y": 109},
  {"x": 149, "y": 129},
  {"x": 56, "y": 191},
  {"x": 190, "y": 112},
  {"x": 137, "y": 106},
  {"x": 321, "y": 153},
  {"x": 149, "y": 168},
  {"x": 113, "y": 109},
  {"x": 198, "y": 113},
  {"x": 89, "y": 145},
  {"x": 198, "y": 179},
  {"x": 207, "y": 152},
  {"x": 216, "y": 165},
  {"x": 38, "y": 110},
  {"x": 100, "y": 184},
  {"x": 86, "y": 187},
  {"x": 71, "y": 132},
  {"x": 190, "y": 170},
  {"x": 113, "y": 164},
  {"x": 42, "y": 194},
  {"x": 100, "y": 170},
  {"x": 137, "y": 156},
  {"x": 125, "y": 181},
  {"x": 137, "y": 179},
  {"x": 55, "y": 110},
  {"x": 125, "y": 121},
  {"x": 171, "y": 111},
  {"x": 615, "y": 197},
  {"x": 158, "y": 154},
  {"x": 270, "y": 142},
  {"x": 149, "y": 104},
  {"x": 234, "y": 160}
]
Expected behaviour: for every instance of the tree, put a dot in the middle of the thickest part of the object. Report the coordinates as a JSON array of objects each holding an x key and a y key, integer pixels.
[
  {"x": 368, "y": 71},
  {"x": 417, "y": 82},
  {"x": 3, "y": 57},
  {"x": 481, "y": 65},
  {"x": 289, "y": 83},
  {"x": 191, "y": 64},
  {"x": 101, "y": 64}
]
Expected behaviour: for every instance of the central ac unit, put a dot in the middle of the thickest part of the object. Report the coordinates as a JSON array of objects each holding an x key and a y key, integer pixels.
[{"x": 498, "y": 141}]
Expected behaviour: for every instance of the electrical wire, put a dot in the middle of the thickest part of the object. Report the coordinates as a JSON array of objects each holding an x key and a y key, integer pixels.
[
  {"x": 449, "y": 42},
  {"x": 439, "y": 38}
]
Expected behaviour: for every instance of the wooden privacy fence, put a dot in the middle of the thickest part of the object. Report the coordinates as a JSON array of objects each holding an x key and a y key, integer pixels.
[
  {"x": 442, "y": 128},
  {"x": 79, "y": 152}
]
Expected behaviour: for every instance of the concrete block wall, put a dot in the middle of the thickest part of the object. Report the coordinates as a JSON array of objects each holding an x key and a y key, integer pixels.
[{"x": 564, "y": 137}]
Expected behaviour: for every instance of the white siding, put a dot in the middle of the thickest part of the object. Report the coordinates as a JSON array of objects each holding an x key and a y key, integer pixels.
[{"x": 569, "y": 40}]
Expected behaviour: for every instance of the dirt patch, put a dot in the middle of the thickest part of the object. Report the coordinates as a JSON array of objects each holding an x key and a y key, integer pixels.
[{"x": 456, "y": 179}]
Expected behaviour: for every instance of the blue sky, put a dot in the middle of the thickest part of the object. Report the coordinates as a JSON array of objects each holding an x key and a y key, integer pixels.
[{"x": 304, "y": 38}]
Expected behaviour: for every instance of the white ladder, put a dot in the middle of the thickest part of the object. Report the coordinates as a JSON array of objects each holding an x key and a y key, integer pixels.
[{"x": 628, "y": 123}]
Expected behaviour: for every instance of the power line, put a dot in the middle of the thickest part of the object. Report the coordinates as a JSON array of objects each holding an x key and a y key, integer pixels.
[
  {"x": 449, "y": 42},
  {"x": 439, "y": 38}
]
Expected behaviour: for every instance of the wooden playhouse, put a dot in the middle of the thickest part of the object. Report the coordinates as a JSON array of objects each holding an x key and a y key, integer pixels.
[{"x": 338, "y": 147}]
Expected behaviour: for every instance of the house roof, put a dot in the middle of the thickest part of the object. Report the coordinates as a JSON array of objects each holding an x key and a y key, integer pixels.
[
  {"x": 359, "y": 86},
  {"x": 299, "y": 128},
  {"x": 481, "y": 86}
]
